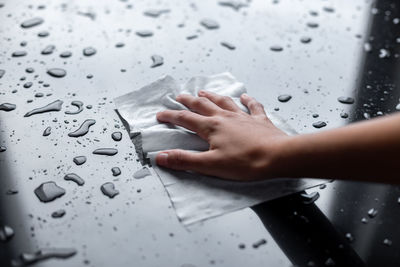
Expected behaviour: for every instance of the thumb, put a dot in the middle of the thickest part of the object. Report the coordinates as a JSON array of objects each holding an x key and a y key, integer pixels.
[{"x": 178, "y": 159}]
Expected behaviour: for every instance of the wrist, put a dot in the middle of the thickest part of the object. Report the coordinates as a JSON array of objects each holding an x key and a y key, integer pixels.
[{"x": 286, "y": 158}]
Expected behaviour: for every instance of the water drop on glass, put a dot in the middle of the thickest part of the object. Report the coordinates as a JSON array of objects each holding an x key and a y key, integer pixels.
[
  {"x": 54, "y": 106},
  {"x": 319, "y": 124},
  {"x": 105, "y": 151},
  {"x": 49, "y": 191},
  {"x": 79, "y": 160},
  {"x": 57, "y": 72},
  {"x": 116, "y": 136},
  {"x": 32, "y": 22},
  {"x": 7, "y": 107},
  {"x": 109, "y": 190},
  {"x": 89, "y": 51},
  {"x": 209, "y": 24},
  {"x": 74, "y": 178},
  {"x": 284, "y": 98},
  {"x": 157, "y": 61}
]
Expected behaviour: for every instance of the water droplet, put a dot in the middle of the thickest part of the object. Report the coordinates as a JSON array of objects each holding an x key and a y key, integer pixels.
[
  {"x": 65, "y": 54},
  {"x": 109, "y": 190},
  {"x": 155, "y": 13},
  {"x": 48, "y": 50},
  {"x": 54, "y": 106},
  {"x": 367, "y": 47},
  {"x": 346, "y": 100},
  {"x": 284, "y": 98},
  {"x": 78, "y": 104},
  {"x": 305, "y": 40},
  {"x": 309, "y": 198},
  {"x": 349, "y": 237},
  {"x": 387, "y": 242},
  {"x": 144, "y": 33},
  {"x": 259, "y": 243},
  {"x": 312, "y": 24},
  {"x": 79, "y": 160},
  {"x": 228, "y": 45},
  {"x": 116, "y": 136},
  {"x": 43, "y": 34},
  {"x": 3, "y": 149},
  {"x": 116, "y": 171},
  {"x": 209, "y": 24},
  {"x": 315, "y": 115},
  {"x": 384, "y": 53},
  {"x": 6, "y": 233},
  {"x": 191, "y": 37},
  {"x": 47, "y": 131},
  {"x": 32, "y": 22},
  {"x": 89, "y": 51},
  {"x": 2, "y": 72},
  {"x": 319, "y": 124},
  {"x": 344, "y": 115},
  {"x": 329, "y": 262},
  {"x": 364, "y": 220},
  {"x": 30, "y": 70},
  {"x": 58, "y": 213},
  {"x": 366, "y": 116},
  {"x": 372, "y": 213},
  {"x": 328, "y": 9},
  {"x": 7, "y": 107},
  {"x": 43, "y": 254},
  {"x": 49, "y": 191},
  {"x": 28, "y": 85},
  {"x": 157, "y": 61},
  {"x": 83, "y": 129},
  {"x": 236, "y": 5},
  {"x": 57, "y": 72},
  {"x": 276, "y": 48},
  {"x": 39, "y": 95},
  {"x": 12, "y": 192},
  {"x": 142, "y": 173},
  {"x": 106, "y": 151},
  {"x": 119, "y": 45},
  {"x": 242, "y": 246},
  {"x": 19, "y": 53},
  {"x": 75, "y": 178}
]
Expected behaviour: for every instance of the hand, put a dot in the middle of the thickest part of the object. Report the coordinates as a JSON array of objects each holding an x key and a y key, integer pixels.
[{"x": 242, "y": 146}]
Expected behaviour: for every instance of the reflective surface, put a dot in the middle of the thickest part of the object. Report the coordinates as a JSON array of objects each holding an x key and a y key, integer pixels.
[{"x": 138, "y": 226}]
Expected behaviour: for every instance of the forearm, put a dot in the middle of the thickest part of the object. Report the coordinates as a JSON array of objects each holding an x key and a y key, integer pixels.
[{"x": 361, "y": 151}]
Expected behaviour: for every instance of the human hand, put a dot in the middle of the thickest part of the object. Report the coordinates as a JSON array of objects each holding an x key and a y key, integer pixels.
[{"x": 242, "y": 146}]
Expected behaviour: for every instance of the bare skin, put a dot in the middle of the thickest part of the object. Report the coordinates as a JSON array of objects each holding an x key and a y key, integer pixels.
[{"x": 247, "y": 147}]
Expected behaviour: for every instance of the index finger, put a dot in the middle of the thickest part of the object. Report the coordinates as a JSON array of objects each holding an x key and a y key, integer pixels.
[{"x": 187, "y": 119}]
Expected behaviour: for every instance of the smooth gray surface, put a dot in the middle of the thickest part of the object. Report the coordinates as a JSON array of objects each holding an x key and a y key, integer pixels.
[{"x": 134, "y": 229}]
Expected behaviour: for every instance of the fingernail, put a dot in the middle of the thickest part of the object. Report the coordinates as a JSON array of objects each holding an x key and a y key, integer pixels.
[
  {"x": 162, "y": 159},
  {"x": 245, "y": 95},
  {"x": 201, "y": 92}
]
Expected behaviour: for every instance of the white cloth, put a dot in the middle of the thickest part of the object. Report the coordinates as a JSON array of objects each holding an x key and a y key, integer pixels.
[{"x": 195, "y": 197}]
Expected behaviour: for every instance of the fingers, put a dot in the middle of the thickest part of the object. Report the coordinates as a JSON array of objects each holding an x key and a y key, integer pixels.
[
  {"x": 178, "y": 159},
  {"x": 185, "y": 118},
  {"x": 201, "y": 105},
  {"x": 255, "y": 107},
  {"x": 224, "y": 102}
]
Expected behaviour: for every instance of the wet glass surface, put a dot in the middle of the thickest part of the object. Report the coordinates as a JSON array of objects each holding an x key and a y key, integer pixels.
[{"x": 327, "y": 50}]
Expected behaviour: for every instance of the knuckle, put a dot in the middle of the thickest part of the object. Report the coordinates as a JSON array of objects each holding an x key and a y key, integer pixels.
[
  {"x": 182, "y": 115},
  {"x": 256, "y": 105},
  {"x": 222, "y": 100},
  {"x": 178, "y": 159},
  {"x": 202, "y": 101},
  {"x": 214, "y": 123}
]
